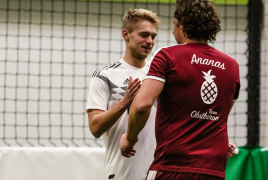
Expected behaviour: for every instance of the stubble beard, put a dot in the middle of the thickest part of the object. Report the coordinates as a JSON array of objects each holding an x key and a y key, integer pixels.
[{"x": 138, "y": 55}]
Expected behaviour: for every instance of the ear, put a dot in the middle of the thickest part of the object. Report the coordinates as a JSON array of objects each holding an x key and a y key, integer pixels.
[
  {"x": 125, "y": 34},
  {"x": 181, "y": 27}
]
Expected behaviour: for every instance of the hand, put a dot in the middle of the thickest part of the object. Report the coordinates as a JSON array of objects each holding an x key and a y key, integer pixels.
[
  {"x": 231, "y": 150},
  {"x": 127, "y": 149},
  {"x": 131, "y": 91}
]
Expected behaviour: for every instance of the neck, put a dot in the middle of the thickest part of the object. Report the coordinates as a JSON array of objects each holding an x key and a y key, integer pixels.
[
  {"x": 194, "y": 41},
  {"x": 128, "y": 58}
]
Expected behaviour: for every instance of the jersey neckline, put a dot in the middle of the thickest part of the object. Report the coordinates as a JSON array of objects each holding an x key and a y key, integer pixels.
[{"x": 133, "y": 67}]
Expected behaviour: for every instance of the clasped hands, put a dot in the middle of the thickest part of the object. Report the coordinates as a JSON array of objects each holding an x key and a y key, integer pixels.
[{"x": 127, "y": 147}]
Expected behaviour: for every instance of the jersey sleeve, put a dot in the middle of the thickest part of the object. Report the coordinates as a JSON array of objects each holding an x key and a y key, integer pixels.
[
  {"x": 98, "y": 96},
  {"x": 159, "y": 67}
]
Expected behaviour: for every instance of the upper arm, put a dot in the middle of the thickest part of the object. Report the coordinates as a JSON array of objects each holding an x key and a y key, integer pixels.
[
  {"x": 149, "y": 91},
  {"x": 93, "y": 122},
  {"x": 160, "y": 66},
  {"x": 154, "y": 82},
  {"x": 91, "y": 113},
  {"x": 98, "y": 96}
]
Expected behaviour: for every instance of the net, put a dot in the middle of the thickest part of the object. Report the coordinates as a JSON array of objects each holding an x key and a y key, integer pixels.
[{"x": 51, "y": 48}]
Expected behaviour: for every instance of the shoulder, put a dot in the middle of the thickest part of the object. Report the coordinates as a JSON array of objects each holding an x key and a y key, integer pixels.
[
  {"x": 167, "y": 48},
  {"x": 158, "y": 52},
  {"x": 170, "y": 51},
  {"x": 227, "y": 57},
  {"x": 106, "y": 69}
]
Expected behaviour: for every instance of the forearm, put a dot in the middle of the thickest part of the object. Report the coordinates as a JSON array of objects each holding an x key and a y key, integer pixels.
[
  {"x": 102, "y": 122},
  {"x": 141, "y": 107},
  {"x": 139, "y": 113},
  {"x": 137, "y": 120}
]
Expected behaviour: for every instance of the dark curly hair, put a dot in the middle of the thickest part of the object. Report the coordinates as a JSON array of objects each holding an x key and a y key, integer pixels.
[{"x": 199, "y": 19}]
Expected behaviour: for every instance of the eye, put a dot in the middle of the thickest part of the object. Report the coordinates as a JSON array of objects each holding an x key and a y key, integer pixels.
[{"x": 144, "y": 35}]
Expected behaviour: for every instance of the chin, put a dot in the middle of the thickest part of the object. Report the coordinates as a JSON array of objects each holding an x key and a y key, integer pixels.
[{"x": 142, "y": 57}]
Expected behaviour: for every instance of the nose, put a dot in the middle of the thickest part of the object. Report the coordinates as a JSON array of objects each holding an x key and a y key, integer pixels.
[{"x": 149, "y": 40}]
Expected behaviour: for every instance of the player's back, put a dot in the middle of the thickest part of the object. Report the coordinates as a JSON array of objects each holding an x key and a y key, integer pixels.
[{"x": 191, "y": 123}]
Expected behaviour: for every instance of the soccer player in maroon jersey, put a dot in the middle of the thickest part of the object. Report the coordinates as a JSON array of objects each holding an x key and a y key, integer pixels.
[{"x": 195, "y": 86}]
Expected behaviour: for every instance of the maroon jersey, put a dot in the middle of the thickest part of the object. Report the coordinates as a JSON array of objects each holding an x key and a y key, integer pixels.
[{"x": 193, "y": 107}]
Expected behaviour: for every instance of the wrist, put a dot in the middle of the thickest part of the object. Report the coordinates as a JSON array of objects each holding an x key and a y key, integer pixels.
[
  {"x": 131, "y": 141},
  {"x": 125, "y": 105}
]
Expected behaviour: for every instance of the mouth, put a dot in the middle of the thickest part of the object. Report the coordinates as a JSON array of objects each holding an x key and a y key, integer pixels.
[{"x": 147, "y": 48}]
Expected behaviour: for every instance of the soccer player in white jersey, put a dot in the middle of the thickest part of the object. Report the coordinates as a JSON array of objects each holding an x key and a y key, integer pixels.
[{"x": 112, "y": 89}]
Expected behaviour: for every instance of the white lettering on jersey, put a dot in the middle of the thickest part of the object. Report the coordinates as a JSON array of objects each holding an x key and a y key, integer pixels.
[
  {"x": 198, "y": 115},
  {"x": 207, "y": 62}
]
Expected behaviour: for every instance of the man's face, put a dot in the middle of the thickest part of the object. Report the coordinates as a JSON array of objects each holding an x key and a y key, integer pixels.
[
  {"x": 177, "y": 32},
  {"x": 142, "y": 39}
]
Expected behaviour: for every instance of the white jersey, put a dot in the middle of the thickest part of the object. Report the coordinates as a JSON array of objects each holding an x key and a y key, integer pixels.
[{"x": 107, "y": 87}]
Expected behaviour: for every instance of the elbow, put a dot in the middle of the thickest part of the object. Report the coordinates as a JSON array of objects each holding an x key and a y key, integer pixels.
[
  {"x": 95, "y": 132},
  {"x": 95, "y": 129},
  {"x": 143, "y": 107},
  {"x": 97, "y": 135},
  {"x": 94, "y": 125}
]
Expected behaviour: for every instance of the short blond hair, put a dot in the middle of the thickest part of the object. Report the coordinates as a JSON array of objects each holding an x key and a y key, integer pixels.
[{"x": 132, "y": 17}]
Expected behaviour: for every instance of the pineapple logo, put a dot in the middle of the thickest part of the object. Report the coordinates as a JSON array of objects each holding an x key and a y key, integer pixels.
[{"x": 209, "y": 90}]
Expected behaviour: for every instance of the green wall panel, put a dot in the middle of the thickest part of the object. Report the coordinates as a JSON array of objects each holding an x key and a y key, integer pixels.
[{"x": 251, "y": 163}]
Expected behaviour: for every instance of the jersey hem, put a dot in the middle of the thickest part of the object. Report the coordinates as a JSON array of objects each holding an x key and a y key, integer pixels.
[
  {"x": 95, "y": 107},
  {"x": 187, "y": 170},
  {"x": 154, "y": 77}
]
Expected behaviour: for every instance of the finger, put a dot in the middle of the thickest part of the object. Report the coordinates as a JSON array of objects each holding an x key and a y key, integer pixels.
[
  {"x": 135, "y": 91},
  {"x": 130, "y": 153},
  {"x": 232, "y": 151},
  {"x": 133, "y": 96},
  {"x": 127, "y": 155},
  {"x": 229, "y": 155},
  {"x": 130, "y": 84},
  {"x": 130, "y": 79},
  {"x": 138, "y": 83},
  {"x": 135, "y": 86},
  {"x": 233, "y": 146},
  {"x": 123, "y": 153},
  {"x": 135, "y": 81},
  {"x": 132, "y": 150}
]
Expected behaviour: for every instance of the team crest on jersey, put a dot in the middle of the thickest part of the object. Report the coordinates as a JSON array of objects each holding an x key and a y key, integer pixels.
[
  {"x": 209, "y": 90},
  {"x": 126, "y": 81}
]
